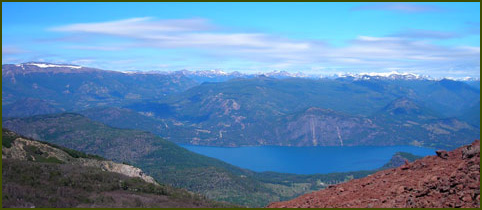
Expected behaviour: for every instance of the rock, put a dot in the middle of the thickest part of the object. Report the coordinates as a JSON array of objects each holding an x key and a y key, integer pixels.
[
  {"x": 466, "y": 198},
  {"x": 400, "y": 190},
  {"x": 406, "y": 165},
  {"x": 442, "y": 154},
  {"x": 17, "y": 151},
  {"x": 470, "y": 151},
  {"x": 444, "y": 188}
]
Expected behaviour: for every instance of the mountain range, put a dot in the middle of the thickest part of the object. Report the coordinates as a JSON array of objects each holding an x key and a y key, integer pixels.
[
  {"x": 67, "y": 87},
  {"x": 301, "y": 112},
  {"x": 239, "y": 109}
]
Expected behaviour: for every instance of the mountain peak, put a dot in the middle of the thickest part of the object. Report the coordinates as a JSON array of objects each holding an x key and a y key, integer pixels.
[
  {"x": 393, "y": 75},
  {"x": 403, "y": 106}
]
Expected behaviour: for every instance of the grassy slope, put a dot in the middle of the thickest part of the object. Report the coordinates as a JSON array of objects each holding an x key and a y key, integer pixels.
[{"x": 47, "y": 182}]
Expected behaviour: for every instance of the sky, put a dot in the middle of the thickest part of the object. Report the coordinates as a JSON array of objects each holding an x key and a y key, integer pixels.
[{"x": 435, "y": 39}]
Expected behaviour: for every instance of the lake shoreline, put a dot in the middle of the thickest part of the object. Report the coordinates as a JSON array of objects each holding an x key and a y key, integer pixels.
[{"x": 307, "y": 160}]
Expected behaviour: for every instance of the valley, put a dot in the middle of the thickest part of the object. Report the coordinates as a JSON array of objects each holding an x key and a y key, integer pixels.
[
  {"x": 171, "y": 164},
  {"x": 141, "y": 118},
  {"x": 254, "y": 110},
  {"x": 240, "y": 105}
]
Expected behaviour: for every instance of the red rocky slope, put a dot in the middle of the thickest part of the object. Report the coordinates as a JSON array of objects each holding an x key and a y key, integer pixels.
[{"x": 450, "y": 179}]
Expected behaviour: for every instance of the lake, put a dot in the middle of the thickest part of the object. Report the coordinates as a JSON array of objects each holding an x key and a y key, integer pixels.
[{"x": 307, "y": 160}]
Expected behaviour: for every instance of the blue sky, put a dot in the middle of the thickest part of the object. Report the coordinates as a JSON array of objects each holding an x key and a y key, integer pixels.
[{"x": 437, "y": 39}]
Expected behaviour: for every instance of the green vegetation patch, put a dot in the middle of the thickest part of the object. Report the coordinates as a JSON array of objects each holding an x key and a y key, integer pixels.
[
  {"x": 8, "y": 140},
  {"x": 409, "y": 156},
  {"x": 35, "y": 154},
  {"x": 40, "y": 185},
  {"x": 74, "y": 153}
]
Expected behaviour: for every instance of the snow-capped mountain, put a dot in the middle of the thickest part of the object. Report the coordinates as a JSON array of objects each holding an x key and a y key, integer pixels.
[
  {"x": 42, "y": 67},
  {"x": 393, "y": 75},
  {"x": 217, "y": 75},
  {"x": 209, "y": 73},
  {"x": 284, "y": 74},
  {"x": 468, "y": 79},
  {"x": 220, "y": 76}
]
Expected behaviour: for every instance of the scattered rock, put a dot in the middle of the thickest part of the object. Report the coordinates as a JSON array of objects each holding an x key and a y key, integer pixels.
[
  {"x": 450, "y": 179},
  {"x": 442, "y": 154},
  {"x": 470, "y": 151}
]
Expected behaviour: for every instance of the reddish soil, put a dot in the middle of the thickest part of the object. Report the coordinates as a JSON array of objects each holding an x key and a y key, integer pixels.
[{"x": 449, "y": 179}]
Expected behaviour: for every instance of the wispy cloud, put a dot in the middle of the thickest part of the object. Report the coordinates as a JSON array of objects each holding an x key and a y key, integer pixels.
[
  {"x": 427, "y": 34},
  {"x": 400, "y": 7},
  {"x": 12, "y": 50},
  {"x": 135, "y": 27},
  {"x": 410, "y": 49},
  {"x": 99, "y": 48},
  {"x": 186, "y": 33}
]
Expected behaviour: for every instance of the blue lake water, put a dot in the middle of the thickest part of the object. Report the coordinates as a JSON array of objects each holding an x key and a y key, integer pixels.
[{"x": 307, "y": 160}]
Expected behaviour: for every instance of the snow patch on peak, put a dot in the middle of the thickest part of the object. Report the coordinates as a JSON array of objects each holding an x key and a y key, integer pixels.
[
  {"x": 383, "y": 75},
  {"x": 387, "y": 74},
  {"x": 219, "y": 72},
  {"x": 282, "y": 74},
  {"x": 48, "y": 65},
  {"x": 469, "y": 79}
]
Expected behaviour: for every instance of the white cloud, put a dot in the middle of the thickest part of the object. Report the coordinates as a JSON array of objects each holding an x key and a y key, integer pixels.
[
  {"x": 137, "y": 27},
  {"x": 401, "y": 50},
  {"x": 377, "y": 39},
  {"x": 186, "y": 33}
]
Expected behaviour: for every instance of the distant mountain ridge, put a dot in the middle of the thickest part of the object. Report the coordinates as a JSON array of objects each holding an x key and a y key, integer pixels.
[
  {"x": 66, "y": 87},
  {"x": 217, "y": 75},
  {"x": 232, "y": 110}
]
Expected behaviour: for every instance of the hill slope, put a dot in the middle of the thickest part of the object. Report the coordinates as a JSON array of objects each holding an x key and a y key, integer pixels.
[
  {"x": 169, "y": 163},
  {"x": 75, "y": 88},
  {"x": 268, "y": 111},
  {"x": 37, "y": 174},
  {"x": 310, "y": 127},
  {"x": 450, "y": 179}
]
